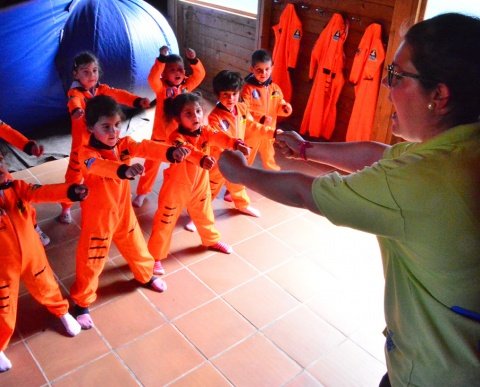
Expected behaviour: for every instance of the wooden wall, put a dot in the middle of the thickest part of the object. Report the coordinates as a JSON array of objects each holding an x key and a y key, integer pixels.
[
  {"x": 225, "y": 41},
  {"x": 221, "y": 40}
]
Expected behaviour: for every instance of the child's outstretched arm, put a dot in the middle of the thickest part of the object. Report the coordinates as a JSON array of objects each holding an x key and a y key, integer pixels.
[
  {"x": 51, "y": 193},
  {"x": 18, "y": 140}
]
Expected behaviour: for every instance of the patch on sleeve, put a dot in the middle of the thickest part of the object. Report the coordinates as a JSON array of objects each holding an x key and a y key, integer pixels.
[
  {"x": 224, "y": 125},
  {"x": 89, "y": 162}
]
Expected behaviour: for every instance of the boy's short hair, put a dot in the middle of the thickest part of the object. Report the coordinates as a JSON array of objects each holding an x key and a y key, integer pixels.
[
  {"x": 261, "y": 56},
  {"x": 101, "y": 106},
  {"x": 173, "y": 58},
  {"x": 227, "y": 80}
]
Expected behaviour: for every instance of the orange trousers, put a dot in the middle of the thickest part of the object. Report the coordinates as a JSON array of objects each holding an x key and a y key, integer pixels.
[
  {"x": 174, "y": 196},
  {"x": 40, "y": 281},
  {"x": 237, "y": 191},
  {"x": 98, "y": 232}
]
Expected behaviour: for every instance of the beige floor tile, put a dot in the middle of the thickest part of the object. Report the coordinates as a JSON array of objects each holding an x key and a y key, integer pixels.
[
  {"x": 165, "y": 356},
  {"x": 264, "y": 251},
  {"x": 348, "y": 365},
  {"x": 185, "y": 292},
  {"x": 106, "y": 371},
  {"x": 304, "y": 380},
  {"x": 308, "y": 234},
  {"x": 303, "y": 335},
  {"x": 302, "y": 278},
  {"x": 261, "y": 301},
  {"x": 58, "y": 354},
  {"x": 222, "y": 272},
  {"x": 126, "y": 318},
  {"x": 214, "y": 327},
  {"x": 24, "y": 371},
  {"x": 204, "y": 376},
  {"x": 256, "y": 362}
]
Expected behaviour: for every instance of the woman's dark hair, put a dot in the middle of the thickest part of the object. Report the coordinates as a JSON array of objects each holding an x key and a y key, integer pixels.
[
  {"x": 227, "y": 80},
  {"x": 446, "y": 49},
  {"x": 101, "y": 106},
  {"x": 83, "y": 58},
  {"x": 174, "y": 106}
]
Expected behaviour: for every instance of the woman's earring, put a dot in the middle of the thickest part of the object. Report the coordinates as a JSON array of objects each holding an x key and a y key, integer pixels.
[{"x": 431, "y": 106}]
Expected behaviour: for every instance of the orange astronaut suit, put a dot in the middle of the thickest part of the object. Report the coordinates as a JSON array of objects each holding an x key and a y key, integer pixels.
[
  {"x": 187, "y": 185},
  {"x": 77, "y": 99},
  {"x": 107, "y": 214},
  {"x": 288, "y": 33},
  {"x": 22, "y": 255},
  {"x": 326, "y": 65},
  {"x": 241, "y": 126},
  {"x": 263, "y": 100},
  {"x": 161, "y": 126},
  {"x": 366, "y": 75},
  {"x": 14, "y": 137}
]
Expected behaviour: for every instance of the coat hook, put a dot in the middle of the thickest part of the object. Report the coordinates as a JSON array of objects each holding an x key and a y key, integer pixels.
[
  {"x": 304, "y": 6},
  {"x": 320, "y": 11},
  {"x": 355, "y": 19}
]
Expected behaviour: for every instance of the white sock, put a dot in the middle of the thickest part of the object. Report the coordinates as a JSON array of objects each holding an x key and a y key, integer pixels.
[
  {"x": 71, "y": 325},
  {"x": 5, "y": 363},
  {"x": 138, "y": 201},
  {"x": 85, "y": 320}
]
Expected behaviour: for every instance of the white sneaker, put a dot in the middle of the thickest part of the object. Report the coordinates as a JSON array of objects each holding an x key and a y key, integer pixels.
[
  {"x": 249, "y": 210},
  {"x": 190, "y": 226},
  {"x": 43, "y": 237},
  {"x": 64, "y": 217},
  {"x": 138, "y": 201},
  {"x": 5, "y": 363},
  {"x": 71, "y": 325}
]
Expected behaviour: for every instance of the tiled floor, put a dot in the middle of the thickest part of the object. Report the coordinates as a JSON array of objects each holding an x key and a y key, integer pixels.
[{"x": 298, "y": 303}]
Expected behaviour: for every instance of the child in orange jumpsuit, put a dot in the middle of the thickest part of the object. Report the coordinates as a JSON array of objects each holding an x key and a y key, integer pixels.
[
  {"x": 22, "y": 256},
  {"x": 86, "y": 72},
  {"x": 233, "y": 118},
  {"x": 187, "y": 184},
  {"x": 32, "y": 148},
  {"x": 107, "y": 215},
  {"x": 265, "y": 101},
  {"x": 167, "y": 79}
]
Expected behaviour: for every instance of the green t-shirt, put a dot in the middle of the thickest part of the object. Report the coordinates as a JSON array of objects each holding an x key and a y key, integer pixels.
[{"x": 422, "y": 200}]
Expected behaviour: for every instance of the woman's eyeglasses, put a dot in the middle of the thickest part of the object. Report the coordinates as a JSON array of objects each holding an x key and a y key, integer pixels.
[{"x": 393, "y": 75}]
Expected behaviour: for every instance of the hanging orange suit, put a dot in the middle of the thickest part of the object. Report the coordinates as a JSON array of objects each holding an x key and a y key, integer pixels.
[
  {"x": 22, "y": 255},
  {"x": 238, "y": 124},
  {"x": 161, "y": 126},
  {"x": 186, "y": 185},
  {"x": 326, "y": 65},
  {"x": 107, "y": 214},
  {"x": 288, "y": 33},
  {"x": 366, "y": 74}
]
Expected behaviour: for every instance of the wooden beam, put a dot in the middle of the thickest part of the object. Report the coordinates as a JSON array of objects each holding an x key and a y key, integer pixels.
[{"x": 405, "y": 13}]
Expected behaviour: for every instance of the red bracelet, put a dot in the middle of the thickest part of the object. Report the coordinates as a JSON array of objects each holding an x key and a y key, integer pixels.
[{"x": 303, "y": 148}]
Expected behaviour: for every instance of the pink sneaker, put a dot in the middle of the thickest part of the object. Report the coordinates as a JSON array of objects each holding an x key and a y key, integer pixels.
[
  {"x": 158, "y": 268},
  {"x": 221, "y": 247},
  {"x": 159, "y": 285},
  {"x": 249, "y": 210},
  {"x": 227, "y": 197}
]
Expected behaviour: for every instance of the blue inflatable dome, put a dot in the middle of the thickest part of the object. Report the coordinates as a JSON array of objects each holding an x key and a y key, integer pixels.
[{"x": 41, "y": 38}]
